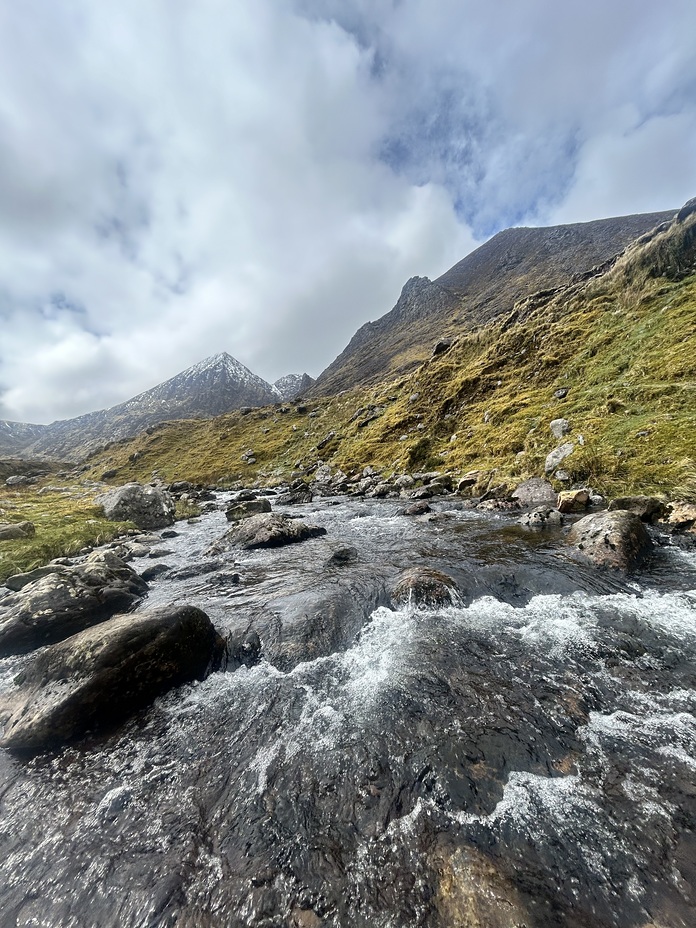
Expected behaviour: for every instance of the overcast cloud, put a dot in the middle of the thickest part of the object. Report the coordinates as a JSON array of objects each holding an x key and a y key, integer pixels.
[{"x": 179, "y": 178}]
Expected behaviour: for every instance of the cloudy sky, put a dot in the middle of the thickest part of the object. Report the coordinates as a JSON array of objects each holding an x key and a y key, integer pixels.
[{"x": 182, "y": 177}]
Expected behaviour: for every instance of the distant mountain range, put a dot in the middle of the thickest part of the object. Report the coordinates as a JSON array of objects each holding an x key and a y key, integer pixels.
[
  {"x": 480, "y": 288},
  {"x": 215, "y": 386}
]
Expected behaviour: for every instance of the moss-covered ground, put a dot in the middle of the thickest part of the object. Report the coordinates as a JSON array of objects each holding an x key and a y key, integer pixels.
[{"x": 64, "y": 522}]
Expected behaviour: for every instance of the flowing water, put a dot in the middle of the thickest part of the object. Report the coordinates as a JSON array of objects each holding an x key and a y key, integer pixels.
[{"x": 526, "y": 757}]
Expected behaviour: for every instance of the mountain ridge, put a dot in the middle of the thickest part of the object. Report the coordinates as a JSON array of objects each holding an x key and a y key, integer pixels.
[
  {"x": 211, "y": 387},
  {"x": 481, "y": 287}
]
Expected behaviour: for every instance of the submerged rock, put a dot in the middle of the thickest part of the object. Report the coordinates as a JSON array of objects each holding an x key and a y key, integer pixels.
[
  {"x": 612, "y": 539},
  {"x": 267, "y": 530},
  {"x": 424, "y": 587},
  {"x": 66, "y": 600},
  {"x": 103, "y": 674},
  {"x": 148, "y": 507}
]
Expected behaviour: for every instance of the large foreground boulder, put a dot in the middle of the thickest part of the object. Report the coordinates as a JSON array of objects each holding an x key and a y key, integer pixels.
[
  {"x": 148, "y": 507},
  {"x": 612, "y": 539},
  {"x": 267, "y": 530},
  {"x": 66, "y": 600},
  {"x": 103, "y": 674}
]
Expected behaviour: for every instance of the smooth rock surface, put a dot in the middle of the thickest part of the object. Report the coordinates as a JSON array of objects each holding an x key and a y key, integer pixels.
[
  {"x": 559, "y": 454},
  {"x": 104, "y": 674}
]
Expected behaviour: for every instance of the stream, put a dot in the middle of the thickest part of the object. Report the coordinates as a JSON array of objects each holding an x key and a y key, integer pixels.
[{"x": 524, "y": 757}]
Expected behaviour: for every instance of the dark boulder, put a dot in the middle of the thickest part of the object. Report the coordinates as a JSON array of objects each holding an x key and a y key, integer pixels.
[
  {"x": 423, "y": 587},
  {"x": 104, "y": 674},
  {"x": 418, "y": 509},
  {"x": 267, "y": 530},
  {"x": 67, "y": 600},
  {"x": 647, "y": 508},
  {"x": 247, "y": 508},
  {"x": 611, "y": 539},
  {"x": 295, "y": 498},
  {"x": 148, "y": 507},
  {"x": 342, "y": 556}
]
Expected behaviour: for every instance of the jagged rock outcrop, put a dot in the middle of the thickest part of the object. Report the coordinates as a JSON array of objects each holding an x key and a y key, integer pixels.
[{"x": 292, "y": 385}]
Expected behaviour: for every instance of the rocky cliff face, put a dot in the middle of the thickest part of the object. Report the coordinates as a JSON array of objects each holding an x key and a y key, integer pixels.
[
  {"x": 484, "y": 285},
  {"x": 292, "y": 385}
]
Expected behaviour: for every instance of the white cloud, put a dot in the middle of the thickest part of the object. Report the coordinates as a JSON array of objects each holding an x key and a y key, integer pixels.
[{"x": 178, "y": 179}]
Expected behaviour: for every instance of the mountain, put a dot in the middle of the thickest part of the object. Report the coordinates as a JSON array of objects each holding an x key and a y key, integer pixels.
[
  {"x": 612, "y": 354},
  {"x": 292, "y": 385},
  {"x": 210, "y": 388},
  {"x": 14, "y": 436},
  {"x": 481, "y": 287}
]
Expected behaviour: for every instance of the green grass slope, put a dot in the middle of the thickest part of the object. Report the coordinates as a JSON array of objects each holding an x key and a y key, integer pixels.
[{"x": 623, "y": 344}]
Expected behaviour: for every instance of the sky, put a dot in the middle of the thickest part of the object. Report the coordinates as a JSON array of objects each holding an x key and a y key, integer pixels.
[{"x": 184, "y": 177}]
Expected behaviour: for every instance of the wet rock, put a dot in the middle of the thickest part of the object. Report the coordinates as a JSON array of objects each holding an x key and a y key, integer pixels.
[
  {"x": 558, "y": 454},
  {"x": 612, "y": 539},
  {"x": 559, "y": 427},
  {"x": 534, "y": 492},
  {"x": 419, "y": 494},
  {"x": 442, "y": 484},
  {"x": 498, "y": 505},
  {"x": 157, "y": 570},
  {"x": 148, "y": 507},
  {"x": 342, "y": 556},
  {"x": 541, "y": 517},
  {"x": 197, "y": 569},
  {"x": 380, "y": 491},
  {"x": 267, "y": 530},
  {"x": 647, "y": 508},
  {"x": 103, "y": 674},
  {"x": 423, "y": 587},
  {"x": 243, "y": 649},
  {"x": 244, "y": 496},
  {"x": 67, "y": 600},
  {"x": 250, "y": 508},
  {"x": 573, "y": 500},
  {"x": 295, "y": 498},
  {"x": 10, "y": 531},
  {"x": 418, "y": 509},
  {"x": 169, "y": 533}
]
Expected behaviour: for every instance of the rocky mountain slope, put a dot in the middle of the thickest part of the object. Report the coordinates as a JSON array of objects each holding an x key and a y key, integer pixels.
[
  {"x": 210, "y": 388},
  {"x": 612, "y": 355},
  {"x": 483, "y": 286},
  {"x": 292, "y": 385}
]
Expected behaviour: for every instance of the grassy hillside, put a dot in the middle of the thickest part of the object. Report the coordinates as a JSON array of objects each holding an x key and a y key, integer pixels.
[{"x": 623, "y": 344}]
